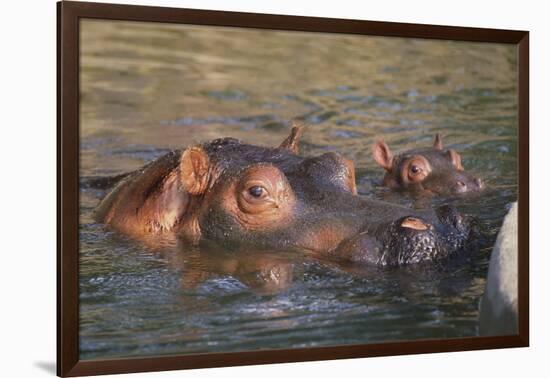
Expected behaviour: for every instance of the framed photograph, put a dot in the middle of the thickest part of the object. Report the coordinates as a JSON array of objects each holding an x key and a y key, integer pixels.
[{"x": 239, "y": 188}]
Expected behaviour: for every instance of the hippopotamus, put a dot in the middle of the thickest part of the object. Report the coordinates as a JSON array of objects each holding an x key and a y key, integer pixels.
[
  {"x": 433, "y": 170},
  {"x": 240, "y": 195}
]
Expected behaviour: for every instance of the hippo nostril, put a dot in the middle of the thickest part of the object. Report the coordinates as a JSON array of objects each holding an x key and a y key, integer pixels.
[
  {"x": 479, "y": 183},
  {"x": 414, "y": 223},
  {"x": 461, "y": 187},
  {"x": 449, "y": 215}
]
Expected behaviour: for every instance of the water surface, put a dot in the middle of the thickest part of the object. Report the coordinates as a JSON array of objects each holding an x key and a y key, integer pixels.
[{"x": 148, "y": 88}]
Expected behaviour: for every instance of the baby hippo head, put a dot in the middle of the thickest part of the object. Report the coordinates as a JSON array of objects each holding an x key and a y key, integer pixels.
[{"x": 432, "y": 170}]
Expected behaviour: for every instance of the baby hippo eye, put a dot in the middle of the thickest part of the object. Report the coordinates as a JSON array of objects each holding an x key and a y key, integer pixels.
[
  {"x": 256, "y": 191},
  {"x": 416, "y": 169}
]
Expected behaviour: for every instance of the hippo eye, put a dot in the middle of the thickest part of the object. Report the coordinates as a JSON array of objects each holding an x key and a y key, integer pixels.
[
  {"x": 256, "y": 191},
  {"x": 415, "y": 169}
]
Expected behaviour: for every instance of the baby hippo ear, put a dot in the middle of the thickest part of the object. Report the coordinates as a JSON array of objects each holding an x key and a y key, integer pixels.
[
  {"x": 383, "y": 155},
  {"x": 455, "y": 159},
  {"x": 292, "y": 141},
  {"x": 438, "y": 142},
  {"x": 194, "y": 170}
]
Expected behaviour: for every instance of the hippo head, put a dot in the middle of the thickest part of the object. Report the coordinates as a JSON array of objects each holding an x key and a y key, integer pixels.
[
  {"x": 433, "y": 170},
  {"x": 243, "y": 195}
]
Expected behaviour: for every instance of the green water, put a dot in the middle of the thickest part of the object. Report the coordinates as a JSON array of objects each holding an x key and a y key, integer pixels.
[{"x": 150, "y": 88}]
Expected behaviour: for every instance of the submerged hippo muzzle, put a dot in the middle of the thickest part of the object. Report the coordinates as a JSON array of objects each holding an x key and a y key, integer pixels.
[{"x": 410, "y": 239}]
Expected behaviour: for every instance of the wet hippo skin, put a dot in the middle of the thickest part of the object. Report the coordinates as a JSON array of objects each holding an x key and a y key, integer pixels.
[
  {"x": 241, "y": 195},
  {"x": 432, "y": 170}
]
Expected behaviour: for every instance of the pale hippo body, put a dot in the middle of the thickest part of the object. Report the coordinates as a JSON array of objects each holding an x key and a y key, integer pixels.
[{"x": 498, "y": 313}]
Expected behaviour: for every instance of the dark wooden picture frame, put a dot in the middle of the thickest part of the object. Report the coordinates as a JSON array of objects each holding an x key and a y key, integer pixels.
[{"x": 70, "y": 13}]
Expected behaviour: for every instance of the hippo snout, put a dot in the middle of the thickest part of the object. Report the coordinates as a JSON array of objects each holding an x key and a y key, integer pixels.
[
  {"x": 466, "y": 184},
  {"x": 409, "y": 239}
]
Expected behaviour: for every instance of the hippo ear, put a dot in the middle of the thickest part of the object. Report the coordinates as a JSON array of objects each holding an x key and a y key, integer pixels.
[
  {"x": 194, "y": 170},
  {"x": 292, "y": 141},
  {"x": 383, "y": 155},
  {"x": 455, "y": 159},
  {"x": 438, "y": 142}
]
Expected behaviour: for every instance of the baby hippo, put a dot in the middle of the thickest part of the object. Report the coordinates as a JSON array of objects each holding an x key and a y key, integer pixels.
[{"x": 431, "y": 170}]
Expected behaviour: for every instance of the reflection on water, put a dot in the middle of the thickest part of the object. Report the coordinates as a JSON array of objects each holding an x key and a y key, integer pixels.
[{"x": 150, "y": 88}]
